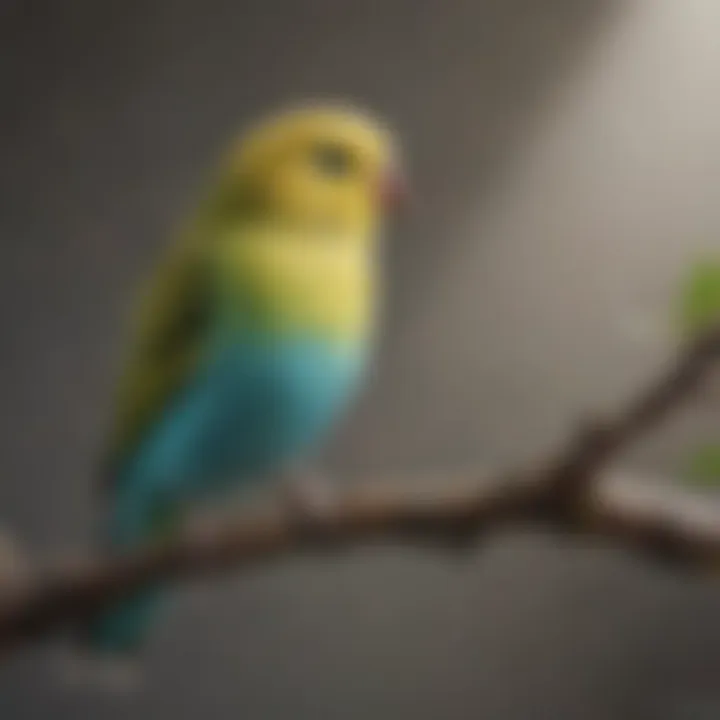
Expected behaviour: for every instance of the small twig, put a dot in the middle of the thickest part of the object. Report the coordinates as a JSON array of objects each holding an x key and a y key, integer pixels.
[
  {"x": 558, "y": 494},
  {"x": 602, "y": 442}
]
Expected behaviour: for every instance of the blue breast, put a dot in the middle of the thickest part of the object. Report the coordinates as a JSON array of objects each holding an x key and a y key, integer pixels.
[{"x": 255, "y": 405}]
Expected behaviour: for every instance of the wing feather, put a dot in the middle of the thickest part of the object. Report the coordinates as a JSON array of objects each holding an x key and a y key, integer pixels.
[{"x": 170, "y": 325}]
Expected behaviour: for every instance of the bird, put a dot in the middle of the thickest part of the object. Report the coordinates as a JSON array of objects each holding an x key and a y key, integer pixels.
[{"x": 252, "y": 336}]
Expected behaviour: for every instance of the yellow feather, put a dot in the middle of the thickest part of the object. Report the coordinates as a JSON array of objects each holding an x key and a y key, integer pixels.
[{"x": 300, "y": 280}]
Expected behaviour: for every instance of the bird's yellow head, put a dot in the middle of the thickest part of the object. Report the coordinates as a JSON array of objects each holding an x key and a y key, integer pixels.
[{"x": 318, "y": 167}]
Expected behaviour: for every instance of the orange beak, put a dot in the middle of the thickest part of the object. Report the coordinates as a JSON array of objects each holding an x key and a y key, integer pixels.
[{"x": 394, "y": 191}]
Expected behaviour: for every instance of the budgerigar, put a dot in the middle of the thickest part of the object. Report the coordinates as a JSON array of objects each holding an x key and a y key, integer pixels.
[{"x": 253, "y": 334}]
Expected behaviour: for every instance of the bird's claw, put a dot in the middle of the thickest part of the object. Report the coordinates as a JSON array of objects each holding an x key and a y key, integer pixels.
[{"x": 310, "y": 501}]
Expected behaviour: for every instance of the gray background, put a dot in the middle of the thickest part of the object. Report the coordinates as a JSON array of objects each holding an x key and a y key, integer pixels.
[{"x": 566, "y": 158}]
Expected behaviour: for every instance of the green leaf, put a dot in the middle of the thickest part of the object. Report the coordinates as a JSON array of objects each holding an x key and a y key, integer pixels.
[
  {"x": 699, "y": 302},
  {"x": 704, "y": 467}
]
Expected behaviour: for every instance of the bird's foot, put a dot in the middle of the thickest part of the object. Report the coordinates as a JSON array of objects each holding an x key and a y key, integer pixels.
[
  {"x": 311, "y": 502},
  {"x": 202, "y": 526}
]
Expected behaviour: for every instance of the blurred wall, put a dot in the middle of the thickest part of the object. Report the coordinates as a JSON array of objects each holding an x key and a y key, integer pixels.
[{"x": 566, "y": 157}]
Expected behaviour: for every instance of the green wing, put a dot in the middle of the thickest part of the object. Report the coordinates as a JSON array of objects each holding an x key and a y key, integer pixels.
[{"x": 167, "y": 338}]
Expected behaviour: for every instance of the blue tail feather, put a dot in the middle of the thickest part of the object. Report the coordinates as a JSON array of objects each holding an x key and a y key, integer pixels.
[{"x": 120, "y": 629}]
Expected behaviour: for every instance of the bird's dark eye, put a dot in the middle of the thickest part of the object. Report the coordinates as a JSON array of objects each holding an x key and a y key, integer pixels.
[{"x": 332, "y": 159}]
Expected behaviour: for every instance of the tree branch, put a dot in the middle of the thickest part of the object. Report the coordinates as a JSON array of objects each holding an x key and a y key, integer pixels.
[{"x": 665, "y": 526}]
